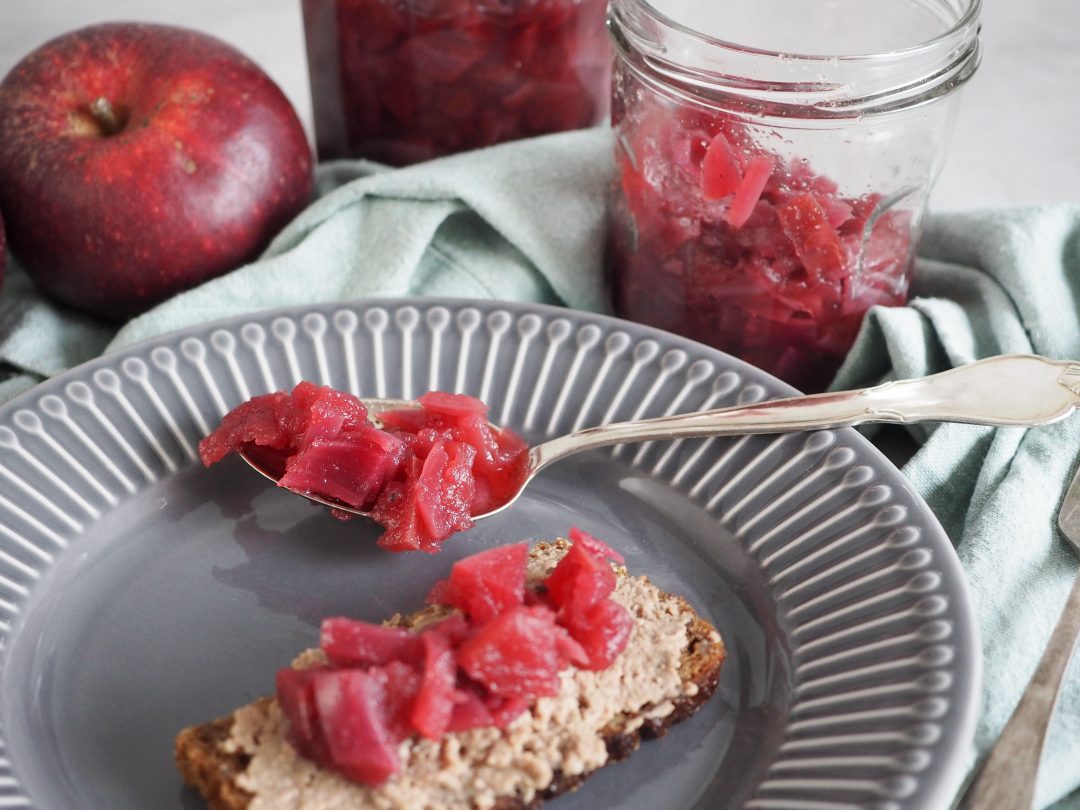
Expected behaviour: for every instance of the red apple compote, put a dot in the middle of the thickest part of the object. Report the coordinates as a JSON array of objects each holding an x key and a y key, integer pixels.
[
  {"x": 401, "y": 81},
  {"x": 774, "y": 164}
]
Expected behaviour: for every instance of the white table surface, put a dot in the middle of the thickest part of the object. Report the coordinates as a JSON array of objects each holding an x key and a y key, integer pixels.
[{"x": 1017, "y": 140}]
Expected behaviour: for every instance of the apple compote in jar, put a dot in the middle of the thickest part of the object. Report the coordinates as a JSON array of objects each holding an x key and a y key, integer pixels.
[
  {"x": 775, "y": 160},
  {"x": 401, "y": 81}
]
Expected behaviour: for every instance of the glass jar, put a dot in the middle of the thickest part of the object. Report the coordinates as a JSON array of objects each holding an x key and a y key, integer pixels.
[
  {"x": 400, "y": 81},
  {"x": 775, "y": 160}
]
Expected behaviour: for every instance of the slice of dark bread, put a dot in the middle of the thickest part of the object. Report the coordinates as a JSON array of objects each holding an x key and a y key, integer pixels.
[{"x": 242, "y": 762}]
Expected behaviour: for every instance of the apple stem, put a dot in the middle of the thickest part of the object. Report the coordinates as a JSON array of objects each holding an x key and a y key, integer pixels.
[{"x": 103, "y": 113}]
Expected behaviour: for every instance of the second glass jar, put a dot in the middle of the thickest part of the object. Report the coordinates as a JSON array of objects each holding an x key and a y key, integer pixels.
[
  {"x": 766, "y": 200},
  {"x": 401, "y": 81}
]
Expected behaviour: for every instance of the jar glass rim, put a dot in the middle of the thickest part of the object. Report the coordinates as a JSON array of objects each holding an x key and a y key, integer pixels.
[
  {"x": 966, "y": 24},
  {"x": 779, "y": 83}
]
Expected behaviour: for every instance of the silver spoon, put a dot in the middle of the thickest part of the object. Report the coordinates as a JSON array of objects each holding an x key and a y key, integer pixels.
[{"x": 1008, "y": 390}]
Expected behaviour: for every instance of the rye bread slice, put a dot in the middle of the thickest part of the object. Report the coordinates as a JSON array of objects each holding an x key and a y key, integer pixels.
[{"x": 211, "y": 761}]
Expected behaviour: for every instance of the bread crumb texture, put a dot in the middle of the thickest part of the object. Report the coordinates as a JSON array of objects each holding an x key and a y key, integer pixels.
[{"x": 563, "y": 734}]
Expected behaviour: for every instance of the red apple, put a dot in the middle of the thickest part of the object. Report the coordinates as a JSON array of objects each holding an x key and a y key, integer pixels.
[{"x": 139, "y": 160}]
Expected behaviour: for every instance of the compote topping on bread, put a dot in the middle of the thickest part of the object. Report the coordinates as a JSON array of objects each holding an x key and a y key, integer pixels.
[
  {"x": 422, "y": 475},
  {"x": 511, "y": 690},
  {"x": 481, "y": 665}
]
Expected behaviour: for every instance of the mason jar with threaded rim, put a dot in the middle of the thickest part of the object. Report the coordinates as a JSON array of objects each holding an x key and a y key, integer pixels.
[{"x": 774, "y": 165}]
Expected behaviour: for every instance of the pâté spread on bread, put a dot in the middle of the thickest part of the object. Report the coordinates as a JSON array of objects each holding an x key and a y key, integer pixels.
[
  {"x": 529, "y": 670},
  {"x": 421, "y": 475}
]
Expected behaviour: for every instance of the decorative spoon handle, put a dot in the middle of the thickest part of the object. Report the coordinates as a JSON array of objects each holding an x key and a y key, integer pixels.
[{"x": 1008, "y": 390}]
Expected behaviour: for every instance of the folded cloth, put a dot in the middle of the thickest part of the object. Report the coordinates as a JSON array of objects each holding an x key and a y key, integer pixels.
[{"x": 524, "y": 221}]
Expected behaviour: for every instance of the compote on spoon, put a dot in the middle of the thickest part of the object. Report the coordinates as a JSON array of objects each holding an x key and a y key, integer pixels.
[{"x": 1008, "y": 390}]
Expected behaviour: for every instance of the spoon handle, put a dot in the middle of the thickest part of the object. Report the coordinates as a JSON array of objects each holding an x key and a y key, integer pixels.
[{"x": 1007, "y": 390}]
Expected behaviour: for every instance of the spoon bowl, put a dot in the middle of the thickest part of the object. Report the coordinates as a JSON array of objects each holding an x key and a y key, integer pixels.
[{"x": 1007, "y": 391}]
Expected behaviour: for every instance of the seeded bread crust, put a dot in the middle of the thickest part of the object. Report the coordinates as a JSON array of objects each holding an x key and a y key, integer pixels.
[{"x": 207, "y": 766}]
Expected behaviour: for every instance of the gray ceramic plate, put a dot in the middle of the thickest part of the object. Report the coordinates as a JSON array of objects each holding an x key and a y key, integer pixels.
[{"x": 140, "y": 593}]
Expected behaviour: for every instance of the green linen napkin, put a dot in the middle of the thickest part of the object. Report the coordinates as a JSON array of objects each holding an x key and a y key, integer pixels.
[
  {"x": 524, "y": 221},
  {"x": 996, "y": 282}
]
